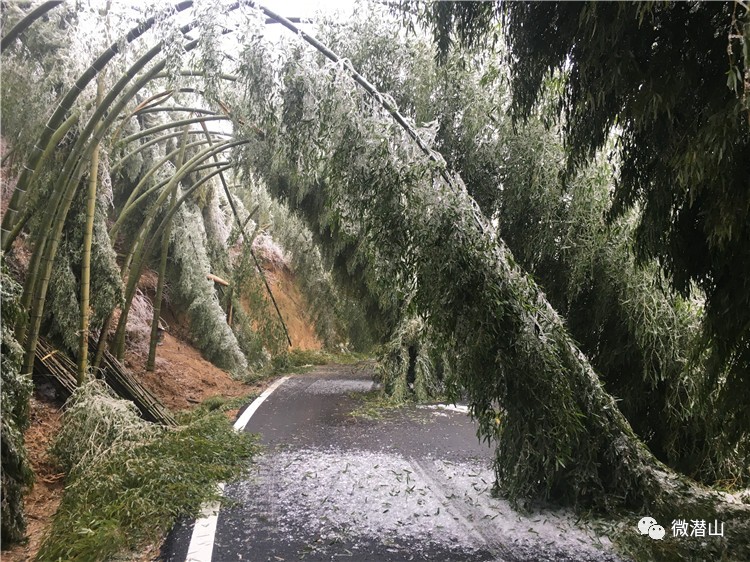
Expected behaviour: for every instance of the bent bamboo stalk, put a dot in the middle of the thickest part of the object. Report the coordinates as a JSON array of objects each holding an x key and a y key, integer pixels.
[{"x": 65, "y": 105}]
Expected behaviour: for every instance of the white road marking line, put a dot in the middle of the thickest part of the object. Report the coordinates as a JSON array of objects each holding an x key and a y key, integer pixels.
[
  {"x": 202, "y": 542},
  {"x": 204, "y": 531},
  {"x": 240, "y": 424}
]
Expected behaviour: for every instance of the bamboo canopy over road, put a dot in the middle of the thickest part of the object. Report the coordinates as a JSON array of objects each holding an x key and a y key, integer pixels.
[{"x": 374, "y": 189}]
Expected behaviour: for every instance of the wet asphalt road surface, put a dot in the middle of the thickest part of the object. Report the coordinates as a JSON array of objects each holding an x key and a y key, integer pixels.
[{"x": 412, "y": 484}]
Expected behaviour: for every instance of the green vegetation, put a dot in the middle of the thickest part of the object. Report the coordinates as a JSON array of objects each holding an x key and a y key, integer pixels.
[
  {"x": 679, "y": 136},
  {"x": 128, "y": 481},
  {"x": 643, "y": 338},
  {"x": 418, "y": 239},
  {"x": 219, "y": 404},
  {"x": 197, "y": 296},
  {"x": 299, "y": 360},
  {"x": 15, "y": 392},
  {"x": 581, "y": 277},
  {"x": 376, "y": 405}
]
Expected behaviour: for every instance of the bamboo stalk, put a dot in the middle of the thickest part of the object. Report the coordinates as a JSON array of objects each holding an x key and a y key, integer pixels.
[
  {"x": 250, "y": 248},
  {"x": 26, "y": 21},
  {"x": 88, "y": 234},
  {"x": 171, "y": 125},
  {"x": 176, "y": 109},
  {"x": 23, "y": 197},
  {"x": 63, "y": 108},
  {"x": 101, "y": 342},
  {"x": 148, "y": 102},
  {"x": 119, "y": 164},
  {"x": 132, "y": 202},
  {"x": 136, "y": 252},
  {"x": 230, "y": 308},
  {"x": 144, "y": 252},
  {"x": 151, "y": 361},
  {"x": 67, "y": 182}
]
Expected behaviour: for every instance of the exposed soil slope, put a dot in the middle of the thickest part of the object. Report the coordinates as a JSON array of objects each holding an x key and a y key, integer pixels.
[
  {"x": 293, "y": 307},
  {"x": 182, "y": 378}
]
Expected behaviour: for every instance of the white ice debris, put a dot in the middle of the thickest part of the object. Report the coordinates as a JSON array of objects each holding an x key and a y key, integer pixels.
[
  {"x": 460, "y": 408},
  {"x": 340, "y": 386},
  {"x": 330, "y": 493}
]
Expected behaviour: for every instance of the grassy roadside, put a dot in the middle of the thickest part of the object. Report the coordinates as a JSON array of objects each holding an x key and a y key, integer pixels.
[{"x": 127, "y": 481}]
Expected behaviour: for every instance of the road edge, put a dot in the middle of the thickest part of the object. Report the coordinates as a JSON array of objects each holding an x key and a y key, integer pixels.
[{"x": 201, "y": 544}]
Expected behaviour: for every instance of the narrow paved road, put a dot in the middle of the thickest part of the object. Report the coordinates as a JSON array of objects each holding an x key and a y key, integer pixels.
[{"x": 412, "y": 485}]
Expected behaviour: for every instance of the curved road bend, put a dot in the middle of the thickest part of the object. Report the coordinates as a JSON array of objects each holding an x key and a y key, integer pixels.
[{"x": 412, "y": 485}]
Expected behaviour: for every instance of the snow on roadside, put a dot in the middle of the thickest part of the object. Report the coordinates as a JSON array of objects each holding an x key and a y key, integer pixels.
[{"x": 460, "y": 408}]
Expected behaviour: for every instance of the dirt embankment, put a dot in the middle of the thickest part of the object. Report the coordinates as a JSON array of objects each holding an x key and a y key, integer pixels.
[
  {"x": 293, "y": 308},
  {"x": 182, "y": 378},
  {"x": 42, "y": 500}
]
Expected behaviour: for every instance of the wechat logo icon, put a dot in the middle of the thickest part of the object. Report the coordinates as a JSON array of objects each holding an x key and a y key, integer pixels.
[{"x": 649, "y": 526}]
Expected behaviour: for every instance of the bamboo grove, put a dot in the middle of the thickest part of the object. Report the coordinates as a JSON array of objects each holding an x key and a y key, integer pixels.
[{"x": 402, "y": 208}]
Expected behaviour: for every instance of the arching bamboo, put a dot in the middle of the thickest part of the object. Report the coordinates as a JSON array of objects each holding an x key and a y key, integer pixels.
[
  {"x": 139, "y": 258},
  {"x": 121, "y": 162},
  {"x": 171, "y": 125},
  {"x": 64, "y": 107},
  {"x": 135, "y": 197},
  {"x": 187, "y": 193},
  {"x": 170, "y": 184},
  {"x": 23, "y": 195},
  {"x": 240, "y": 226},
  {"x": 135, "y": 254},
  {"x": 26, "y": 21},
  {"x": 156, "y": 187},
  {"x": 67, "y": 182},
  {"x": 54, "y": 219}
]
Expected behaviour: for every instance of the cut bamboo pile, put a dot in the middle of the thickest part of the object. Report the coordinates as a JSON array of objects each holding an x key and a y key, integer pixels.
[
  {"x": 61, "y": 370},
  {"x": 125, "y": 385},
  {"x": 55, "y": 365}
]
